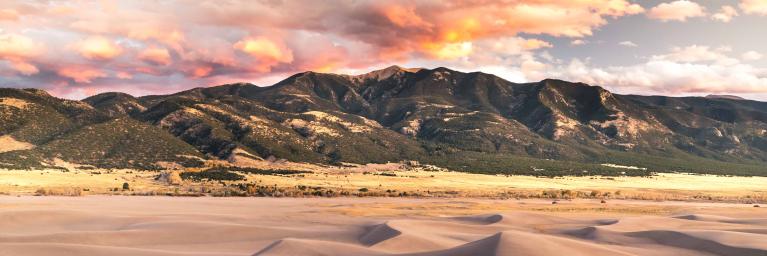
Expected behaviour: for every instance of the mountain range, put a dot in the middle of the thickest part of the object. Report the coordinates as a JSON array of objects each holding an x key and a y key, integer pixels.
[{"x": 474, "y": 122}]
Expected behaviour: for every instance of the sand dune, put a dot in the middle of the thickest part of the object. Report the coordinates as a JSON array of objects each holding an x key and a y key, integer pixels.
[{"x": 314, "y": 226}]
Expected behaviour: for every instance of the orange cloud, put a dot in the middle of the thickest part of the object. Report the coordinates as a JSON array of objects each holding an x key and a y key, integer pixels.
[
  {"x": 98, "y": 48},
  {"x": 754, "y": 7},
  {"x": 201, "y": 71},
  {"x": 24, "y": 68},
  {"x": 15, "y": 46},
  {"x": 404, "y": 16},
  {"x": 267, "y": 52},
  {"x": 679, "y": 10},
  {"x": 9, "y": 14},
  {"x": 173, "y": 38},
  {"x": 18, "y": 50},
  {"x": 204, "y": 39},
  {"x": 532, "y": 44},
  {"x": 448, "y": 50},
  {"x": 155, "y": 56},
  {"x": 81, "y": 74},
  {"x": 461, "y": 23}
]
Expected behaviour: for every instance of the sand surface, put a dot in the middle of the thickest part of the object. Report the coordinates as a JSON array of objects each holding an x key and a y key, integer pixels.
[{"x": 116, "y": 225}]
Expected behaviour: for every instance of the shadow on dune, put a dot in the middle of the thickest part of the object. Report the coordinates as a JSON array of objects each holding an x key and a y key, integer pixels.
[{"x": 536, "y": 234}]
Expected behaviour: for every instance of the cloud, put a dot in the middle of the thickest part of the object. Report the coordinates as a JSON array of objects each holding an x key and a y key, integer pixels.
[
  {"x": 24, "y": 68},
  {"x": 533, "y": 44},
  {"x": 81, "y": 74},
  {"x": 143, "y": 46},
  {"x": 725, "y": 14},
  {"x": 751, "y": 56},
  {"x": 697, "y": 53},
  {"x": 9, "y": 14},
  {"x": 758, "y": 7},
  {"x": 17, "y": 46},
  {"x": 448, "y": 50},
  {"x": 667, "y": 77},
  {"x": 679, "y": 10},
  {"x": 17, "y": 50},
  {"x": 155, "y": 56},
  {"x": 496, "y": 51},
  {"x": 98, "y": 48},
  {"x": 267, "y": 52},
  {"x": 684, "y": 70},
  {"x": 577, "y": 42},
  {"x": 123, "y": 75},
  {"x": 628, "y": 44},
  {"x": 201, "y": 71}
]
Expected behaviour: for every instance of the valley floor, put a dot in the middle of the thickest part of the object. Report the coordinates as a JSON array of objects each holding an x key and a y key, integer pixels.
[
  {"x": 391, "y": 181},
  {"x": 118, "y": 225}
]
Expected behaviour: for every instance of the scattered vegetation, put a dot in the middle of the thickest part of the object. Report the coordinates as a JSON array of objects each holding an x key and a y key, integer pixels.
[
  {"x": 59, "y": 192},
  {"x": 259, "y": 171},
  {"x": 212, "y": 175}
]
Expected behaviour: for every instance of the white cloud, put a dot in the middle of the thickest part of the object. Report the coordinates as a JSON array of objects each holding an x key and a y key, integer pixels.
[
  {"x": 698, "y": 53},
  {"x": 628, "y": 44},
  {"x": 686, "y": 70},
  {"x": 751, "y": 55},
  {"x": 725, "y": 14},
  {"x": 679, "y": 10},
  {"x": 666, "y": 77}
]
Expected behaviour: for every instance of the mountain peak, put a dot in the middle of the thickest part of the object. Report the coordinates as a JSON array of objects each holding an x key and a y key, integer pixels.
[
  {"x": 385, "y": 73},
  {"x": 108, "y": 95}
]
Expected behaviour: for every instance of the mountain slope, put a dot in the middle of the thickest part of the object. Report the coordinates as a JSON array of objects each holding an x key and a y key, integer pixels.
[
  {"x": 115, "y": 104},
  {"x": 50, "y": 128},
  {"x": 465, "y": 121}
]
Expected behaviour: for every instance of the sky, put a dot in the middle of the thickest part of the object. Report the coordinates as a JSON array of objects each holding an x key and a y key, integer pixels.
[{"x": 75, "y": 49}]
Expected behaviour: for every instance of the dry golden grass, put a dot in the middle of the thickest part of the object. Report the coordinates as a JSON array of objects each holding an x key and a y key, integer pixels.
[
  {"x": 391, "y": 180},
  {"x": 8, "y": 143},
  {"x": 14, "y": 102}
]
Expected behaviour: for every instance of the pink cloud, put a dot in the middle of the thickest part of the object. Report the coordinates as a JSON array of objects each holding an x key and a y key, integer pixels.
[{"x": 81, "y": 74}]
